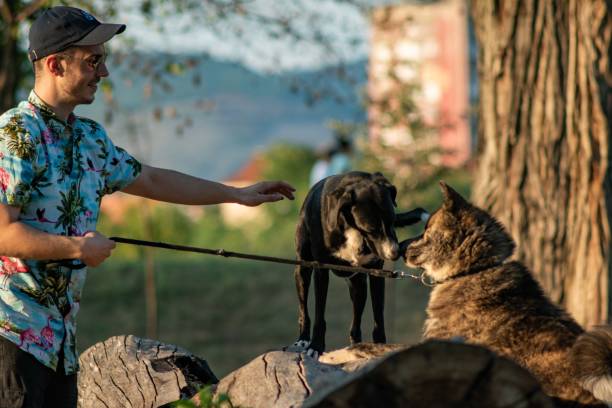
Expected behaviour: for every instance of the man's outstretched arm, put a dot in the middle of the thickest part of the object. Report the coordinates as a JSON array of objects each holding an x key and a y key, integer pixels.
[{"x": 179, "y": 188}]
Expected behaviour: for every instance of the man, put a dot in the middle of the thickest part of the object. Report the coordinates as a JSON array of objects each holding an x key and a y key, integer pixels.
[{"x": 55, "y": 168}]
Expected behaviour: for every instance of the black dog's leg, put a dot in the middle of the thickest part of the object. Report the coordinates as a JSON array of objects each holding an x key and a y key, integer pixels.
[
  {"x": 410, "y": 217},
  {"x": 377, "y": 290},
  {"x": 318, "y": 333},
  {"x": 358, "y": 289},
  {"x": 302, "y": 283}
]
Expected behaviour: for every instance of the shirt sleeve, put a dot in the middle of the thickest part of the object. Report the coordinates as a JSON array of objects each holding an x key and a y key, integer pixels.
[
  {"x": 121, "y": 168},
  {"x": 17, "y": 155}
]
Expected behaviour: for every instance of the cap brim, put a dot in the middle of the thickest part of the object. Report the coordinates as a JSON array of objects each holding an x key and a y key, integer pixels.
[{"x": 101, "y": 34}]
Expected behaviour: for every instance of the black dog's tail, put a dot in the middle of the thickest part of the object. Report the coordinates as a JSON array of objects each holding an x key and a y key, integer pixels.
[
  {"x": 410, "y": 217},
  {"x": 592, "y": 358}
]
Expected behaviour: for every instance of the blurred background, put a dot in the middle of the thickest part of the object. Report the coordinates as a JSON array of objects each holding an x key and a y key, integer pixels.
[
  {"x": 240, "y": 91},
  {"x": 238, "y": 116}
]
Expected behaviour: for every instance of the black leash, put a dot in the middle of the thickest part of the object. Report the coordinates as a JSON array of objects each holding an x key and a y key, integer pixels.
[{"x": 384, "y": 273}]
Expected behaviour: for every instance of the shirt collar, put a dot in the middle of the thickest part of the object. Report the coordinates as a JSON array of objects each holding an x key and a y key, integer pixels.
[{"x": 47, "y": 111}]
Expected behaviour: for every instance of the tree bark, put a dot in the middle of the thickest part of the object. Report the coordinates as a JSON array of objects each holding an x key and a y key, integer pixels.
[
  {"x": 544, "y": 164},
  {"x": 9, "y": 61}
]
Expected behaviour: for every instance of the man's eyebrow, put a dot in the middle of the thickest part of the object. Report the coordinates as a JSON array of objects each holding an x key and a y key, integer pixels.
[{"x": 95, "y": 54}]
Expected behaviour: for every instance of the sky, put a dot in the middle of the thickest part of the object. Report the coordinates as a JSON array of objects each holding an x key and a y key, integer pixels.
[{"x": 345, "y": 26}]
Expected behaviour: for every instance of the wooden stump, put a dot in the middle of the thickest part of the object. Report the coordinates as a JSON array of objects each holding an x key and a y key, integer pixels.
[
  {"x": 438, "y": 374},
  {"x": 287, "y": 379},
  {"x": 127, "y": 371}
]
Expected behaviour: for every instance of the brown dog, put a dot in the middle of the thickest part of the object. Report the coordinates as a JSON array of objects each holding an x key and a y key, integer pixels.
[{"x": 489, "y": 300}]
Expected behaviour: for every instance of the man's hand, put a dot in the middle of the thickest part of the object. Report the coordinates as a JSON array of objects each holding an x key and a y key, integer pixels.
[
  {"x": 95, "y": 248},
  {"x": 264, "y": 192}
]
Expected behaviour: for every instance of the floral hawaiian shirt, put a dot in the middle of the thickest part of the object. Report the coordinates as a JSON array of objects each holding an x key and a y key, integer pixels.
[{"x": 57, "y": 173}]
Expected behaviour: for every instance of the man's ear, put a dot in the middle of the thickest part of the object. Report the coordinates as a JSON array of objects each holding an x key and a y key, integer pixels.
[
  {"x": 335, "y": 203},
  {"x": 452, "y": 199},
  {"x": 53, "y": 66}
]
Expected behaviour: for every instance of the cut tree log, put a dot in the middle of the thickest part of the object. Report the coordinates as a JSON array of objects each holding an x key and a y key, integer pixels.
[
  {"x": 287, "y": 379},
  {"x": 127, "y": 371},
  {"x": 437, "y": 374}
]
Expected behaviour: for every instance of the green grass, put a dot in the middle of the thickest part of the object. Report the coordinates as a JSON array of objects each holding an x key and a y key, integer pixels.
[{"x": 229, "y": 311}]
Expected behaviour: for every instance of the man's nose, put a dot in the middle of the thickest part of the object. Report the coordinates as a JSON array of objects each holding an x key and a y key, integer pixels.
[{"x": 102, "y": 70}]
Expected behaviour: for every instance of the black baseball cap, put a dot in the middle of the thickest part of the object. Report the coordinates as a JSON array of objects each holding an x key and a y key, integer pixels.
[{"x": 60, "y": 27}]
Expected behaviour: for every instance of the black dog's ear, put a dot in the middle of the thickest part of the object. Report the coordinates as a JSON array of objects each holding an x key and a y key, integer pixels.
[
  {"x": 337, "y": 200},
  {"x": 381, "y": 180},
  {"x": 393, "y": 192},
  {"x": 452, "y": 199}
]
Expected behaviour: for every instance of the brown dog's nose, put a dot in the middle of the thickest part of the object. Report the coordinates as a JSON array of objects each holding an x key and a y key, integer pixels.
[{"x": 403, "y": 246}]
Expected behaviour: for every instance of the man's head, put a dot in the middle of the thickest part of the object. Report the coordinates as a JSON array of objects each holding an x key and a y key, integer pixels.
[{"x": 67, "y": 51}]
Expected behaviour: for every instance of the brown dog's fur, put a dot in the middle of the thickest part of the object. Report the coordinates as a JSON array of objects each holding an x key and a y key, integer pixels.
[{"x": 486, "y": 299}]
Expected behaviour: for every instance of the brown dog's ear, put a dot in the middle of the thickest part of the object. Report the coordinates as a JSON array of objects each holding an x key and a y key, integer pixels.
[
  {"x": 452, "y": 199},
  {"x": 337, "y": 200},
  {"x": 382, "y": 180}
]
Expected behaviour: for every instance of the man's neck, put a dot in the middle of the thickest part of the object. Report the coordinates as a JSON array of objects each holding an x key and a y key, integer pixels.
[{"x": 51, "y": 98}]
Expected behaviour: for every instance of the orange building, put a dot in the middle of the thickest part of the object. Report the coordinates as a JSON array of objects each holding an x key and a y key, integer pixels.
[{"x": 421, "y": 52}]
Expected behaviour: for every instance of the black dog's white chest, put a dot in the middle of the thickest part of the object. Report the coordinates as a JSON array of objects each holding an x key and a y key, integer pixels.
[{"x": 354, "y": 249}]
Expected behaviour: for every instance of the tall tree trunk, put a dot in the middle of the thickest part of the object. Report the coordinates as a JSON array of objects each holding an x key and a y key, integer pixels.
[
  {"x": 545, "y": 124},
  {"x": 9, "y": 68}
]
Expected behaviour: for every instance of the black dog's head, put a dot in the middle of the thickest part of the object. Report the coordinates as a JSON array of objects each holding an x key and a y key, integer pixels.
[{"x": 360, "y": 212}]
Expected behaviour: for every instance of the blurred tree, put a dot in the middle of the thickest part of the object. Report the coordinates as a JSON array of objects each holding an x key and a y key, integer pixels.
[
  {"x": 544, "y": 161},
  {"x": 226, "y": 18}
]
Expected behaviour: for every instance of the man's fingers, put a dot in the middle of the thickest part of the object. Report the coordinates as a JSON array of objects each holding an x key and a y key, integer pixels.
[
  {"x": 281, "y": 187},
  {"x": 269, "y": 198}
]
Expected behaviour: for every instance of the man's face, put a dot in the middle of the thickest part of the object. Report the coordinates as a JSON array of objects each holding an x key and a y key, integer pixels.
[{"x": 83, "y": 68}]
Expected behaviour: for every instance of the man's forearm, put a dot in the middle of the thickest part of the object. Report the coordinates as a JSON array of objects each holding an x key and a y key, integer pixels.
[
  {"x": 22, "y": 241},
  {"x": 175, "y": 187}
]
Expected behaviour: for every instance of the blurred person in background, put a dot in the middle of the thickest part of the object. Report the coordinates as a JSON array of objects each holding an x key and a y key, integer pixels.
[
  {"x": 340, "y": 161},
  {"x": 320, "y": 168}
]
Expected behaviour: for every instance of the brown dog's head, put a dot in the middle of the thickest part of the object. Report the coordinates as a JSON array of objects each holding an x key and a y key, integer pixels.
[
  {"x": 361, "y": 210},
  {"x": 458, "y": 238}
]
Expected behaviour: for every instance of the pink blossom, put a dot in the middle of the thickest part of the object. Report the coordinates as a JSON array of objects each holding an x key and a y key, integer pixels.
[
  {"x": 47, "y": 335},
  {"x": 4, "y": 179},
  {"x": 28, "y": 336},
  {"x": 47, "y": 136}
]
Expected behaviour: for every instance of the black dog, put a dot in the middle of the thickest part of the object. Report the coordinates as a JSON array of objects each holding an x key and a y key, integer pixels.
[{"x": 347, "y": 219}]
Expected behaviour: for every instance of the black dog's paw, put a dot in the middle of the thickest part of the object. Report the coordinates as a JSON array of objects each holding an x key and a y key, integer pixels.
[
  {"x": 411, "y": 217},
  {"x": 302, "y": 345},
  {"x": 403, "y": 246}
]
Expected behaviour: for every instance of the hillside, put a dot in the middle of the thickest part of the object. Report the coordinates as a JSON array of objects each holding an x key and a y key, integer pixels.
[{"x": 232, "y": 113}]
